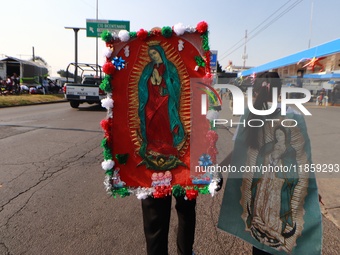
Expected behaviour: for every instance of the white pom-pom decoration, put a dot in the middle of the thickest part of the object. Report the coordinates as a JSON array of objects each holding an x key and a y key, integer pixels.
[
  {"x": 212, "y": 187},
  {"x": 179, "y": 29},
  {"x": 107, "y": 103},
  {"x": 212, "y": 115},
  {"x": 142, "y": 195},
  {"x": 108, "y": 164},
  {"x": 107, "y": 52},
  {"x": 190, "y": 29},
  {"x": 124, "y": 35}
]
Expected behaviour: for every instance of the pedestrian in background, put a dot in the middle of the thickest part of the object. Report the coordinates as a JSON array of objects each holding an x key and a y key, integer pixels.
[
  {"x": 45, "y": 85},
  {"x": 16, "y": 83}
]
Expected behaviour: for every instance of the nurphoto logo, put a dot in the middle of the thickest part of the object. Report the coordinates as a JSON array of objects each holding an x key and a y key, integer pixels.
[{"x": 239, "y": 99}]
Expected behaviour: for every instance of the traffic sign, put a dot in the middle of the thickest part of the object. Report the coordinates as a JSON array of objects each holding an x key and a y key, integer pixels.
[
  {"x": 95, "y": 27},
  {"x": 213, "y": 59}
]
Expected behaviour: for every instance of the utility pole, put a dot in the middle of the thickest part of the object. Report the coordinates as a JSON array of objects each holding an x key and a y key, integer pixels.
[
  {"x": 245, "y": 56},
  {"x": 75, "y": 29},
  {"x": 310, "y": 25},
  {"x": 33, "y": 55},
  {"x": 97, "y": 40}
]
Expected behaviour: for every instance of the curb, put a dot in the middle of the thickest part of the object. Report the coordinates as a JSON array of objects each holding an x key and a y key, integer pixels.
[{"x": 51, "y": 102}]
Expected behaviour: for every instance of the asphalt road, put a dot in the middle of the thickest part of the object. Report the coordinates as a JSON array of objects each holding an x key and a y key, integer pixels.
[{"x": 52, "y": 197}]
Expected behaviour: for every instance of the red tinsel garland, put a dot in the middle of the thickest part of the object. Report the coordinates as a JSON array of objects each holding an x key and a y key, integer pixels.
[{"x": 212, "y": 137}]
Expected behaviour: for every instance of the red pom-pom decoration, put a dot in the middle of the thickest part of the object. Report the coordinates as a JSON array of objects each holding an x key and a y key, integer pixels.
[
  {"x": 191, "y": 194},
  {"x": 105, "y": 126},
  {"x": 108, "y": 68},
  {"x": 202, "y": 27},
  {"x": 142, "y": 34},
  {"x": 156, "y": 32},
  {"x": 212, "y": 136},
  {"x": 161, "y": 191}
]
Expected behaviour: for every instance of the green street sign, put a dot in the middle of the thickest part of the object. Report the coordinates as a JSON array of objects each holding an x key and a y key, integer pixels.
[{"x": 95, "y": 27}]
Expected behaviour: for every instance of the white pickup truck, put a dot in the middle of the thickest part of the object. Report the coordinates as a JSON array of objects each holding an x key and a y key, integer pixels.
[{"x": 87, "y": 91}]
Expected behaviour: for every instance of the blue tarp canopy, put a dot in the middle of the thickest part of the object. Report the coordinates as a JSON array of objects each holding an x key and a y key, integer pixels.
[
  {"x": 318, "y": 51},
  {"x": 325, "y": 76}
]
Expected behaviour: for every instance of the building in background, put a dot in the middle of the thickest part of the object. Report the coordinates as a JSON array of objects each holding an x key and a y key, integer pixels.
[{"x": 30, "y": 72}]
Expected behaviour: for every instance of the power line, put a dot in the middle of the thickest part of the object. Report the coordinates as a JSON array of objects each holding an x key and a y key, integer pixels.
[
  {"x": 253, "y": 31},
  {"x": 231, "y": 50},
  {"x": 269, "y": 16},
  {"x": 283, "y": 13}
]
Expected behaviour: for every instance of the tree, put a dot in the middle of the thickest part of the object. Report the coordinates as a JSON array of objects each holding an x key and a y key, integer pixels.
[
  {"x": 39, "y": 59},
  {"x": 219, "y": 68},
  {"x": 63, "y": 73}
]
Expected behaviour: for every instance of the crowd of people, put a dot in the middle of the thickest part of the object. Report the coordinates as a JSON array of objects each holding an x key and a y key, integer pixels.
[
  {"x": 11, "y": 86},
  {"x": 328, "y": 96}
]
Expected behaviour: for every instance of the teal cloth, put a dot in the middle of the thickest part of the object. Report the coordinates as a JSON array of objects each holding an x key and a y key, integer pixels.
[{"x": 309, "y": 240}]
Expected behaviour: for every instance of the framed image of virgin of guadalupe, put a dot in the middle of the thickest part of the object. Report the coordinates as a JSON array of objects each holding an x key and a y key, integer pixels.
[{"x": 148, "y": 129}]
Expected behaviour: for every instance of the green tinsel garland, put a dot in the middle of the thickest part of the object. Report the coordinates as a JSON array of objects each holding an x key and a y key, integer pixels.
[
  {"x": 107, "y": 154},
  {"x": 122, "y": 192},
  {"x": 205, "y": 42},
  {"x": 133, "y": 34},
  {"x": 103, "y": 144},
  {"x": 167, "y": 32},
  {"x": 178, "y": 190},
  {"x": 106, "y": 36},
  {"x": 204, "y": 190},
  {"x": 212, "y": 125},
  {"x": 106, "y": 84},
  {"x": 107, "y": 151},
  {"x": 200, "y": 61},
  {"x": 109, "y": 172}
]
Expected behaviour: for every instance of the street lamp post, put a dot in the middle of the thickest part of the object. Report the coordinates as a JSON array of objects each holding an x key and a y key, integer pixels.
[
  {"x": 75, "y": 29},
  {"x": 310, "y": 24},
  {"x": 97, "y": 40}
]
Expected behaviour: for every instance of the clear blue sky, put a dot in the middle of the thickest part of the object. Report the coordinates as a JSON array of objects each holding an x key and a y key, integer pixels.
[{"x": 40, "y": 24}]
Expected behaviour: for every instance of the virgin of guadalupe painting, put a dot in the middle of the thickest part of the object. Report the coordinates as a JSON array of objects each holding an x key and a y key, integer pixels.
[
  {"x": 151, "y": 121},
  {"x": 161, "y": 129},
  {"x": 271, "y": 200}
]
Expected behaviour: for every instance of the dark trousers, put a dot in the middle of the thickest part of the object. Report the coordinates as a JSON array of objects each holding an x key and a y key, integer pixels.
[
  {"x": 156, "y": 219},
  {"x": 259, "y": 252}
]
